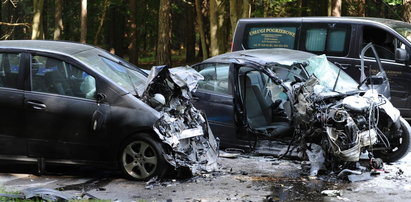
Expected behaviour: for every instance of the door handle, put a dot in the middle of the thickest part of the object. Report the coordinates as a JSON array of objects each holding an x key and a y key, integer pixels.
[
  {"x": 359, "y": 67},
  {"x": 342, "y": 66},
  {"x": 36, "y": 105}
]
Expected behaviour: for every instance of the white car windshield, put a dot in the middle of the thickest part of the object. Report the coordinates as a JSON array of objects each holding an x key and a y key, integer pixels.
[{"x": 330, "y": 76}]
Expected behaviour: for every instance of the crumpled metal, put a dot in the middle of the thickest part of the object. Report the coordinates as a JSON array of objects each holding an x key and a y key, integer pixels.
[{"x": 181, "y": 126}]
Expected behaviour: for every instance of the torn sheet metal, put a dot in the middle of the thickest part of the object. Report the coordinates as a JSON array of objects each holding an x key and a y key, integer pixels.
[
  {"x": 47, "y": 194},
  {"x": 181, "y": 126},
  {"x": 39, "y": 193}
]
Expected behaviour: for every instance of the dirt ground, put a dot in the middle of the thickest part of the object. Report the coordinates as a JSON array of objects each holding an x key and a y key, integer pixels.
[{"x": 243, "y": 178}]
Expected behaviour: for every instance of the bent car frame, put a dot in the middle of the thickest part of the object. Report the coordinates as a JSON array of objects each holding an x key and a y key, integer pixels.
[
  {"x": 288, "y": 102},
  {"x": 63, "y": 102}
]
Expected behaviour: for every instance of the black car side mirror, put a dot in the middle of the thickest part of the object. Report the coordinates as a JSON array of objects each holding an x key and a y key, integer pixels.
[
  {"x": 375, "y": 80},
  {"x": 100, "y": 97},
  {"x": 401, "y": 55}
]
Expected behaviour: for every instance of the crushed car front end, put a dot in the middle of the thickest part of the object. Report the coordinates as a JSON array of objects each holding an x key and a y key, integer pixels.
[
  {"x": 182, "y": 127},
  {"x": 331, "y": 111}
]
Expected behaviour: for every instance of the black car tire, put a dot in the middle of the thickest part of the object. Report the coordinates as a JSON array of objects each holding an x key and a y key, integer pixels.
[
  {"x": 141, "y": 158},
  {"x": 400, "y": 151}
]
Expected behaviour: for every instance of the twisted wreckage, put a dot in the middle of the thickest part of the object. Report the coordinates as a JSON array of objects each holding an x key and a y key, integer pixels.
[
  {"x": 334, "y": 121},
  {"x": 346, "y": 119},
  {"x": 292, "y": 103},
  {"x": 181, "y": 126}
]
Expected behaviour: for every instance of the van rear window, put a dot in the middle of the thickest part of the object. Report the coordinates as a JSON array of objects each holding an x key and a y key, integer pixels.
[{"x": 271, "y": 37}]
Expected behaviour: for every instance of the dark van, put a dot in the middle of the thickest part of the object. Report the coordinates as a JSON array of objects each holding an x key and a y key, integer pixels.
[{"x": 341, "y": 39}]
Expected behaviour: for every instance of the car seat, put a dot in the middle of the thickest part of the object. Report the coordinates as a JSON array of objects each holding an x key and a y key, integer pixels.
[
  {"x": 259, "y": 108},
  {"x": 55, "y": 77}
]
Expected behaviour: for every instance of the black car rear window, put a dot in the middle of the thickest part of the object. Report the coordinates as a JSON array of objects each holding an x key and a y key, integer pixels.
[{"x": 270, "y": 36}]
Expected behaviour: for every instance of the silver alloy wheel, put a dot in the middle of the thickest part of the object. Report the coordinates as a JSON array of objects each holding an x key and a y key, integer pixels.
[{"x": 139, "y": 159}]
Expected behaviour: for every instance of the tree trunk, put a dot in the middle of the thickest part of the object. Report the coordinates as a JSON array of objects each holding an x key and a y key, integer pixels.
[
  {"x": 164, "y": 33},
  {"x": 336, "y": 8},
  {"x": 233, "y": 15},
  {"x": 37, "y": 28},
  {"x": 101, "y": 21},
  {"x": 190, "y": 38},
  {"x": 407, "y": 10},
  {"x": 83, "y": 22},
  {"x": 350, "y": 6},
  {"x": 214, "y": 28},
  {"x": 382, "y": 9},
  {"x": 300, "y": 7},
  {"x": 222, "y": 29},
  {"x": 58, "y": 21},
  {"x": 361, "y": 8},
  {"x": 115, "y": 32},
  {"x": 217, "y": 36},
  {"x": 246, "y": 9},
  {"x": 201, "y": 29},
  {"x": 132, "y": 24}
]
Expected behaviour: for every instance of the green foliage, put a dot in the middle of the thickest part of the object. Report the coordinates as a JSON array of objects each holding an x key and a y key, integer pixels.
[
  {"x": 393, "y": 2},
  {"x": 114, "y": 32}
]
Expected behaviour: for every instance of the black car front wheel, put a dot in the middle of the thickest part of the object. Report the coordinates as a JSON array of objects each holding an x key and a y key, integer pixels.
[{"x": 141, "y": 158}]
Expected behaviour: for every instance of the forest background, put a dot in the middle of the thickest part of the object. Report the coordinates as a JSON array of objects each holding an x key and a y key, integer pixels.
[{"x": 174, "y": 32}]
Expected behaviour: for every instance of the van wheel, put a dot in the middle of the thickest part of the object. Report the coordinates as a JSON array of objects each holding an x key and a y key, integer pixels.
[
  {"x": 399, "y": 147},
  {"x": 141, "y": 158}
]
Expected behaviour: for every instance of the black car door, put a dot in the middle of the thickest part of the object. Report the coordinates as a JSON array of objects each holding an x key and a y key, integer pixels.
[
  {"x": 214, "y": 97},
  {"x": 399, "y": 74},
  {"x": 11, "y": 104},
  {"x": 58, "y": 111}
]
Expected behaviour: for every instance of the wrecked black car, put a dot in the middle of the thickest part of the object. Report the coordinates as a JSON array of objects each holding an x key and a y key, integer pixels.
[
  {"x": 292, "y": 103},
  {"x": 72, "y": 103}
]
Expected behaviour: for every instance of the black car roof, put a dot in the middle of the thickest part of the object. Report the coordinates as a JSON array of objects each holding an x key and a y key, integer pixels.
[
  {"x": 262, "y": 56},
  {"x": 63, "y": 47}
]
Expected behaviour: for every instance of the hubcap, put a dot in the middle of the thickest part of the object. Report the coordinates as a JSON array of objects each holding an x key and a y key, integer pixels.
[{"x": 139, "y": 159}]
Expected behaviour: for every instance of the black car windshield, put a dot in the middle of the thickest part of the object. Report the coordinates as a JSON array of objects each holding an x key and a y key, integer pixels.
[
  {"x": 327, "y": 74},
  {"x": 115, "y": 69}
]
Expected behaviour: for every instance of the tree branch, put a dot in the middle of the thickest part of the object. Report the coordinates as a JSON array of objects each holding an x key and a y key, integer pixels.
[{"x": 28, "y": 25}]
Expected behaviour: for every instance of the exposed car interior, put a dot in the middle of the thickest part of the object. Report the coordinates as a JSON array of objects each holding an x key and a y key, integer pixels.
[
  {"x": 55, "y": 76},
  {"x": 262, "y": 112},
  {"x": 383, "y": 42}
]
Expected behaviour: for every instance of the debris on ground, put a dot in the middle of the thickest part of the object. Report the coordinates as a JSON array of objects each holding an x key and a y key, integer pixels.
[
  {"x": 332, "y": 193},
  {"x": 39, "y": 193}
]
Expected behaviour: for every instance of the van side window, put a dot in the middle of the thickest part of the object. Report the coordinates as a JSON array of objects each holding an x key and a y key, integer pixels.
[
  {"x": 384, "y": 42},
  {"x": 9, "y": 69},
  {"x": 215, "y": 77},
  {"x": 330, "y": 39},
  {"x": 270, "y": 36}
]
